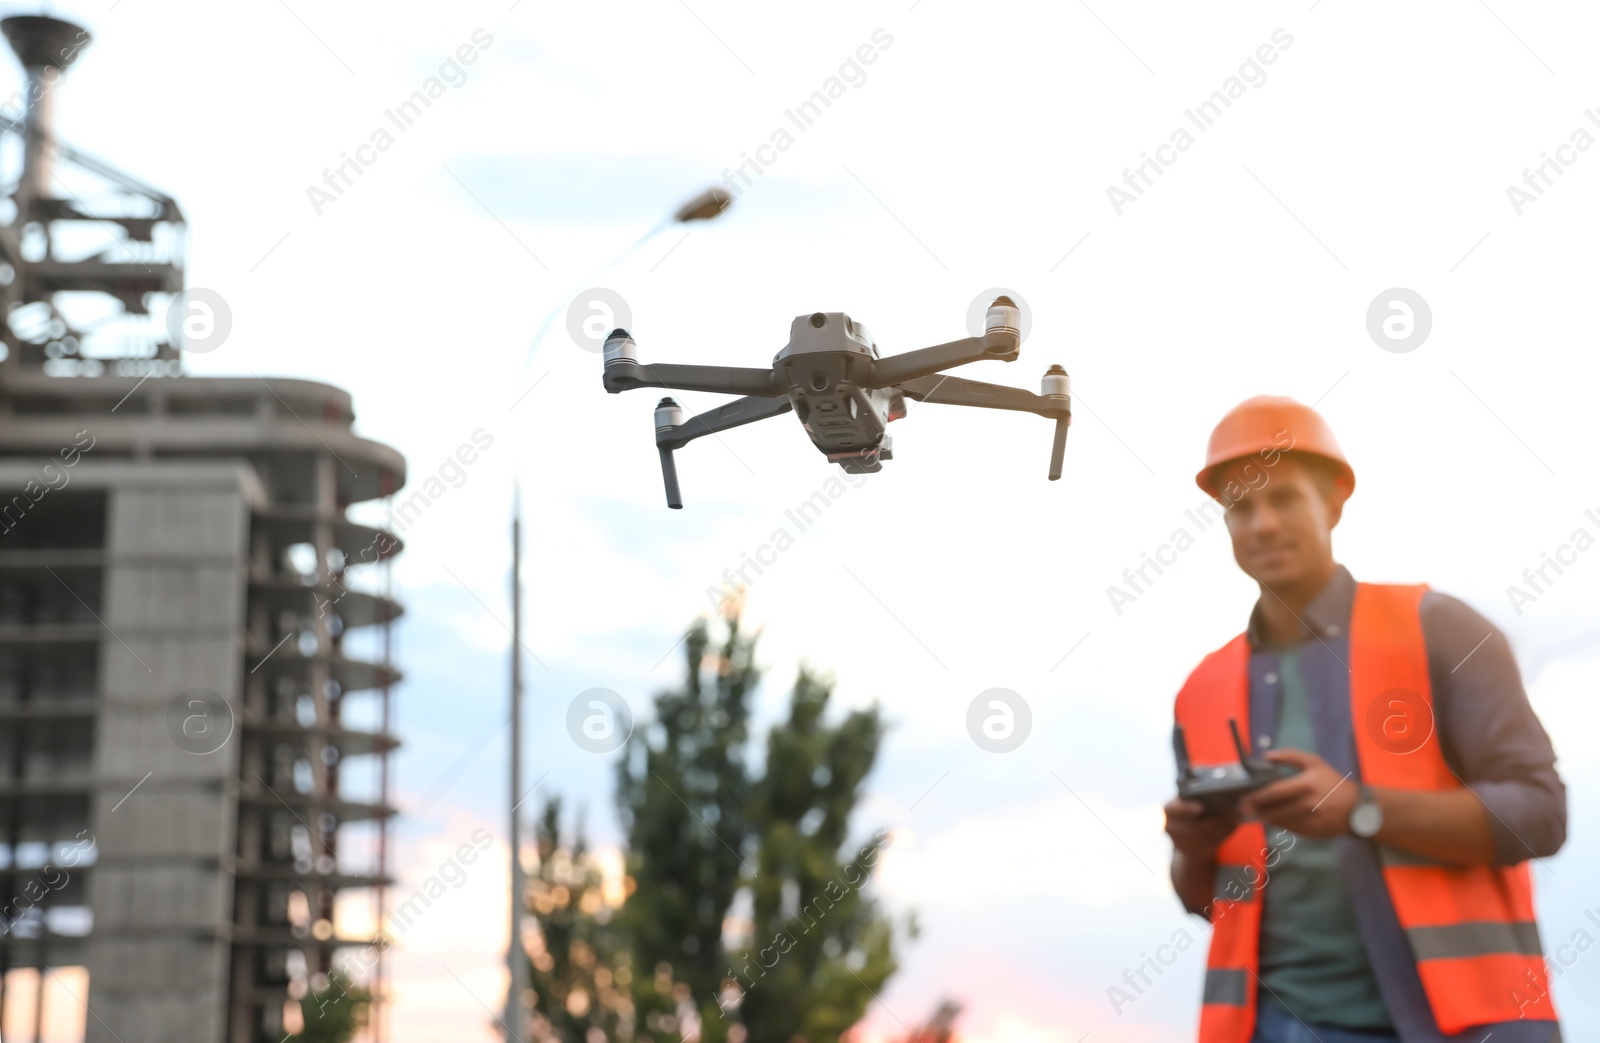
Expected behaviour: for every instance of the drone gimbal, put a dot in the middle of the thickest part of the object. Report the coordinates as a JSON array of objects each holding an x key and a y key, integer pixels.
[{"x": 831, "y": 375}]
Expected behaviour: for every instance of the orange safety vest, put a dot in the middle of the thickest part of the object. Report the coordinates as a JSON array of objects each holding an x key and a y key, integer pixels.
[{"x": 1471, "y": 928}]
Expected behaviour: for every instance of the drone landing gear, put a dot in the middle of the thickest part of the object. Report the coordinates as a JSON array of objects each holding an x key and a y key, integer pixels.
[{"x": 673, "y": 432}]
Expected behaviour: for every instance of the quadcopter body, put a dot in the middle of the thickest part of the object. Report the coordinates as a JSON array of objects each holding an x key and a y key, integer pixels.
[
  {"x": 844, "y": 393},
  {"x": 821, "y": 370}
]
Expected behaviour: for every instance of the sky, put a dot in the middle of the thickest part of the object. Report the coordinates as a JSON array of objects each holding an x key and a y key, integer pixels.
[{"x": 1382, "y": 154}]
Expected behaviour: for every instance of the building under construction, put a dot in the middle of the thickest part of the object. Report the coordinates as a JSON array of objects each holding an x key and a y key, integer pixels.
[{"x": 194, "y": 638}]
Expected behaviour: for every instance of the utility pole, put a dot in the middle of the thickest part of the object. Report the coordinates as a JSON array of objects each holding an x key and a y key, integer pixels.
[{"x": 516, "y": 1010}]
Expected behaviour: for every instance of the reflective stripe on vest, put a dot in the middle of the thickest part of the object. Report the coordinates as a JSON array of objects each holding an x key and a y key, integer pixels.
[
  {"x": 1226, "y": 987},
  {"x": 1471, "y": 928}
]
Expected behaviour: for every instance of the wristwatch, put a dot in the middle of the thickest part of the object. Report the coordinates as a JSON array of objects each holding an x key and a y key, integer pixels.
[{"x": 1366, "y": 818}]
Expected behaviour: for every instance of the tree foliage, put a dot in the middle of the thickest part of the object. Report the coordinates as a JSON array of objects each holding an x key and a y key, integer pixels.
[
  {"x": 717, "y": 848},
  {"x": 830, "y": 952},
  {"x": 583, "y": 977},
  {"x": 333, "y": 1013},
  {"x": 745, "y": 918},
  {"x": 683, "y": 791}
]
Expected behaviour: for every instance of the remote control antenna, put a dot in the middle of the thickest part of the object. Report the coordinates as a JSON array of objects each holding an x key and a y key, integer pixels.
[
  {"x": 1181, "y": 745},
  {"x": 1238, "y": 743}
]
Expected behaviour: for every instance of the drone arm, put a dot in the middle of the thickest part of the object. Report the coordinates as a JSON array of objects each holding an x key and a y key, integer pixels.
[
  {"x": 923, "y": 362},
  {"x": 626, "y": 374},
  {"x": 1001, "y": 340},
  {"x": 1056, "y": 403},
  {"x": 624, "y": 371},
  {"x": 732, "y": 414},
  {"x": 673, "y": 432},
  {"x": 957, "y": 391}
]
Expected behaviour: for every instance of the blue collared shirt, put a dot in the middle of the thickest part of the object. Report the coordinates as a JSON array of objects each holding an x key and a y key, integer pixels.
[{"x": 1490, "y": 738}]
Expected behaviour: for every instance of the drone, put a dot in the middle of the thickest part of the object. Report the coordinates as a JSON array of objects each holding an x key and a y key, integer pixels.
[{"x": 845, "y": 394}]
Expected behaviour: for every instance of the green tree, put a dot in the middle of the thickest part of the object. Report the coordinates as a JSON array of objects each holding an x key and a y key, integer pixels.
[
  {"x": 683, "y": 792},
  {"x": 334, "y": 1013},
  {"x": 581, "y": 969},
  {"x": 829, "y": 949},
  {"x": 706, "y": 832}
]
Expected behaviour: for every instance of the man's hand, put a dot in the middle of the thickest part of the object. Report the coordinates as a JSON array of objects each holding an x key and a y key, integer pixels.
[
  {"x": 1195, "y": 839},
  {"x": 1193, "y": 832},
  {"x": 1314, "y": 803}
]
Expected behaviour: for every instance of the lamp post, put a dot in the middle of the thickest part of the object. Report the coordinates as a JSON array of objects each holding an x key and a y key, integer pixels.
[{"x": 703, "y": 207}]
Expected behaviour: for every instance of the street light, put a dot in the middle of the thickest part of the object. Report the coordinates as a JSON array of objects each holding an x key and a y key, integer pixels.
[{"x": 703, "y": 207}]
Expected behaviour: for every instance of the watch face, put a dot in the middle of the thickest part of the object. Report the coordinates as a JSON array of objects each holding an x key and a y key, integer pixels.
[{"x": 1366, "y": 819}]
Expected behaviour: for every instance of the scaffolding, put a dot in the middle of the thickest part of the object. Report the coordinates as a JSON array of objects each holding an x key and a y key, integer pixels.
[{"x": 202, "y": 554}]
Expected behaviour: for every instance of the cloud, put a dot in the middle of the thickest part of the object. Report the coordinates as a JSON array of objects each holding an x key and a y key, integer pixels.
[{"x": 1054, "y": 850}]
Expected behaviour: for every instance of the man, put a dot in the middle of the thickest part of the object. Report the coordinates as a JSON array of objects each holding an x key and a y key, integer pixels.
[{"x": 1382, "y": 893}]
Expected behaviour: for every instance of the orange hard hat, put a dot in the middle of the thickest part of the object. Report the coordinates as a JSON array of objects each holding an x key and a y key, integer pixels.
[{"x": 1268, "y": 425}]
